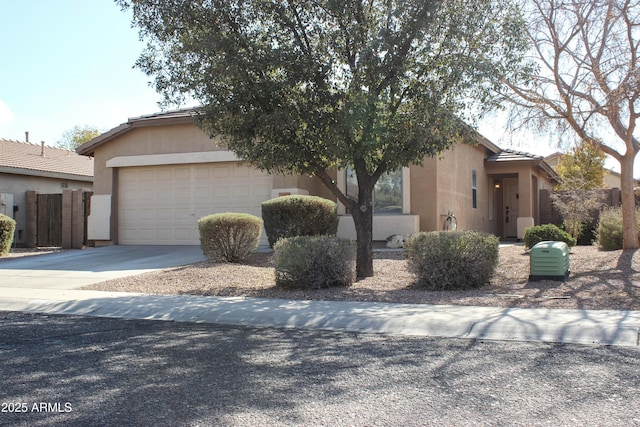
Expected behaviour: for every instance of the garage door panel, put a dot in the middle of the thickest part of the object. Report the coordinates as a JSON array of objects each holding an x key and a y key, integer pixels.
[
  {"x": 162, "y": 204},
  {"x": 221, "y": 172},
  {"x": 241, "y": 191},
  {"x": 164, "y": 214},
  {"x": 261, "y": 191},
  {"x": 202, "y": 173}
]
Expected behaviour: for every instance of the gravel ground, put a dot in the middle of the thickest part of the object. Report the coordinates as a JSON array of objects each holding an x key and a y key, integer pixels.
[{"x": 598, "y": 280}]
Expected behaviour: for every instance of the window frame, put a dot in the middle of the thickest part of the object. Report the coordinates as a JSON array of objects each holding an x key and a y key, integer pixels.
[
  {"x": 403, "y": 193},
  {"x": 474, "y": 189}
]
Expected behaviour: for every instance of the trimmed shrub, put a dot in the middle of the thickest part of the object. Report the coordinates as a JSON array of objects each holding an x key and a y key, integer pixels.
[
  {"x": 229, "y": 237},
  {"x": 290, "y": 216},
  {"x": 447, "y": 260},
  {"x": 314, "y": 262},
  {"x": 7, "y": 228},
  {"x": 609, "y": 231},
  {"x": 547, "y": 232}
]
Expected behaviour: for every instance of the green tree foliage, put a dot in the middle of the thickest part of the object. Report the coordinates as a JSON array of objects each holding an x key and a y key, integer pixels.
[
  {"x": 307, "y": 86},
  {"x": 76, "y": 136},
  {"x": 582, "y": 168}
]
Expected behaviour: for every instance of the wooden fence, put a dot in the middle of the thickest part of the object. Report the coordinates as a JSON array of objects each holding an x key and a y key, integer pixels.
[
  {"x": 550, "y": 215},
  {"x": 57, "y": 219}
]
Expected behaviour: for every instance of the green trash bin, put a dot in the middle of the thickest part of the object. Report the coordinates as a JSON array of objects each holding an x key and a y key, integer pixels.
[{"x": 549, "y": 261}]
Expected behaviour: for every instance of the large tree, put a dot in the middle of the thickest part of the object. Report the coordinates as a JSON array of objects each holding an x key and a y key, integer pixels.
[
  {"x": 587, "y": 80},
  {"x": 308, "y": 86}
]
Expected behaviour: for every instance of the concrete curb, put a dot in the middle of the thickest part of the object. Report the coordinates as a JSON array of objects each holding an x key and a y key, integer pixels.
[{"x": 606, "y": 327}]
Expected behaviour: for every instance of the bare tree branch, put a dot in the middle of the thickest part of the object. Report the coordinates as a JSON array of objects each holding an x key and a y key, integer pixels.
[{"x": 587, "y": 79}]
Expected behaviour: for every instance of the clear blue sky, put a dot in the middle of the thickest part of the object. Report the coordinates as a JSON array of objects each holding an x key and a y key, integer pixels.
[{"x": 65, "y": 63}]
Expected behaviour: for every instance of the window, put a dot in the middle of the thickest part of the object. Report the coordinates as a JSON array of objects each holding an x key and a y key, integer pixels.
[
  {"x": 387, "y": 194},
  {"x": 474, "y": 189}
]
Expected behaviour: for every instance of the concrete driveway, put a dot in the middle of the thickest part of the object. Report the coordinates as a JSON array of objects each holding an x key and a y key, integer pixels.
[{"x": 77, "y": 268}]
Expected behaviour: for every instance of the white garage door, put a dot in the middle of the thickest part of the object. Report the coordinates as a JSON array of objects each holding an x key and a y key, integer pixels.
[{"x": 161, "y": 205}]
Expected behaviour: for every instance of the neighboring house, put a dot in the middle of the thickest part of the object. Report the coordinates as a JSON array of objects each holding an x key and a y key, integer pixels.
[
  {"x": 27, "y": 167},
  {"x": 155, "y": 175},
  {"x": 611, "y": 178}
]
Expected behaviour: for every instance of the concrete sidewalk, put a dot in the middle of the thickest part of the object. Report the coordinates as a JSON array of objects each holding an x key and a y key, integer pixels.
[{"x": 619, "y": 328}]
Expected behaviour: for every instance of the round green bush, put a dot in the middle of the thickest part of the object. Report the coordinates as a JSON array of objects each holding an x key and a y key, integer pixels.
[
  {"x": 546, "y": 233},
  {"x": 314, "y": 262},
  {"x": 229, "y": 237},
  {"x": 448, "y": 260},
  {"x": 609, "y": 232},
  {"x": 7, "y": 228},
  {"x": 290, "y": 216}
]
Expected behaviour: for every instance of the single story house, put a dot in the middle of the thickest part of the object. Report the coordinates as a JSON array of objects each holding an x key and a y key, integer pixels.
[
  {"x": 155, "y": 175},
  {"x": 27, "y": 167}
]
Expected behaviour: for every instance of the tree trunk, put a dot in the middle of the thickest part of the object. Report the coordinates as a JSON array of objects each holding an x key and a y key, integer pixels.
[
  {"x": 362, "y": 214},
  {"x": 629, "y": 225},
  {"x": 363, "y": 221}
]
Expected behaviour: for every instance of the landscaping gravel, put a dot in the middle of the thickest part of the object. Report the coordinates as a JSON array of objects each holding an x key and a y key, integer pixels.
[{"x": 598, "y": 280}]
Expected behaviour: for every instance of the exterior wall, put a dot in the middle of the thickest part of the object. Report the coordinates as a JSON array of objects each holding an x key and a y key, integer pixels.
[
  {"x": 174, "y": 141},
  {"x": 531, "y": 179},
  {"x": 612, "y": 180},
  {"x": 18, "y": 185},
  {"x": 434, "y": 188},
  {"x": 455, "y": 188},
  {"x": 315, "y": 186},
  {"x": 302, "y": 184},
  {"x": 165, "y": 139},
  {"x": 423, "y": 193}
]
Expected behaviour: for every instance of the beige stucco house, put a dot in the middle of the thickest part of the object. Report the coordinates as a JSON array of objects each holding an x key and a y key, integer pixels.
[
  {"x": 31, "y": 167},
  {"x": 156, "y": 175}
]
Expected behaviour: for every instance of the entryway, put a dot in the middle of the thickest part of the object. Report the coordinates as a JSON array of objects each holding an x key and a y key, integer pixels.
[{"x": 510, "y": 200}]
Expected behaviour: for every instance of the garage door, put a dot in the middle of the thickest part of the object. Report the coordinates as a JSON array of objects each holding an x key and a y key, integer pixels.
[{"x": 161, "y": 205}]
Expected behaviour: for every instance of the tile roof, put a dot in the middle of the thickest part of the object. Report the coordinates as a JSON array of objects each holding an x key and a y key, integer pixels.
[
  {"x": 22, "y": 157},
  {"x": 181, "y": 113},
  {"x": 506, "y": 155}
]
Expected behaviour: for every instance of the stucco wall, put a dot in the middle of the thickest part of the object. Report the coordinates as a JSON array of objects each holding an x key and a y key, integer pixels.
[
  {"x": 315, "y": 186},
  {"x": 165, "y": 139},
  {"x": 312, "y": 185},
  {"x": 18, "y": 185},
  {"x": 455, "y": 188},
  {"x": 443, "y": 184},
  {"x": 424, "y": 186}
]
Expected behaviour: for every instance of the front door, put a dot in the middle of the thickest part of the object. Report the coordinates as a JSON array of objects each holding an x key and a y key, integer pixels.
[{"x": 510, "y": 206}]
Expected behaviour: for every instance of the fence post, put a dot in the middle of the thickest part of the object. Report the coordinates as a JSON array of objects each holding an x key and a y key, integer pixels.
[
  {"x": 31, "y": 226},
  {"x": 67, "y": 199},
  {"x": 77, "y": 220}
]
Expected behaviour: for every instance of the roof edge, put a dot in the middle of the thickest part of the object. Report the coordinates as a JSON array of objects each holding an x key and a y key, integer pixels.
[
  {"x": 485, "y": 142},
  {"x": 157, "y": 119},
  {"x": 45, "y": 174}
]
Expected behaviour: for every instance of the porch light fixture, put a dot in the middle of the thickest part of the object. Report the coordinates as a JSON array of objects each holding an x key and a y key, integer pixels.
[{"x": 497, "y": 185}]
